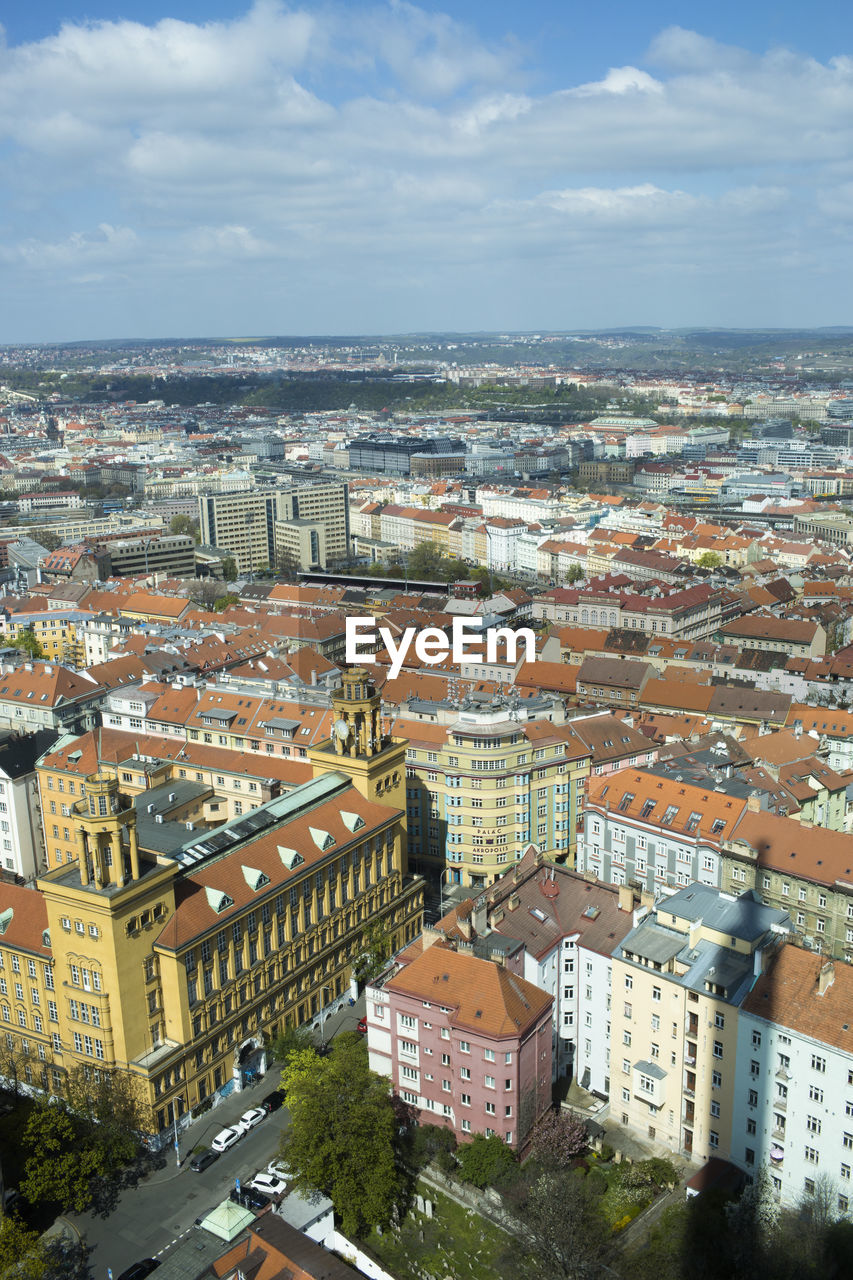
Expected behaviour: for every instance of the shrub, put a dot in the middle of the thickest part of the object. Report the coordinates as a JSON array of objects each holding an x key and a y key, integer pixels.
[
  {"x": 607, "y": 1153},
  {"x": 596, "y": 1182},
  {"x": 484, "y": 1161}
]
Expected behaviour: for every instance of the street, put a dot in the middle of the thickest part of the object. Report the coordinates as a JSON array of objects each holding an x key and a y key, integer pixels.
[{"x": 151, "y": 1216}]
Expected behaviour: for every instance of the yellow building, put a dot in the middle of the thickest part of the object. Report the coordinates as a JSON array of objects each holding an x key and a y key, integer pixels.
[
  {"x": 180, "y": 948},
  {"x": 678, "y": 980},
  {"x": 482, "y": 789}
]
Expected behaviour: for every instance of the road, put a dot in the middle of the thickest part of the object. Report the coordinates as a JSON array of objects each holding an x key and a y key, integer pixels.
[{"x": 151, "y": 1216}]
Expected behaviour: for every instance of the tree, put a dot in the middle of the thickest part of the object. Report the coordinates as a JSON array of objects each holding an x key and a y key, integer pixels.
[
  {"x": 229, "y": 569},
  {"x": 46, "y": 538},
  {"x": 28, "y": 643},
  {"x": 341, "y": 1137},
  {"x": 184, "y": 525},
  {"x": 427, "y": 562},
  {"x": 287, "y": 565},
  {"x": 484, "y": 1161},
  {"x": 375, "y": 951},
  {"x": 60, "y": 1169},
  {"x": 575, "y": 573},
  {"x": 559, "y": 1230},
  {"x": 559, "y": 1138},
  {"x": 292, "y": 1040},
  {"x": 22, "y": 1254},
  {"x": 110, "y": 1109},
  {"x": 709, "y": 560}
]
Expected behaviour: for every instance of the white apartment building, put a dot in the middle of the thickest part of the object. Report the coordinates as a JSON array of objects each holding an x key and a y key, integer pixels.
[
  {"x": 654, "y": 831},
  {"x": 793, "y": 1106},
  {"x": 568, "y": 928}
]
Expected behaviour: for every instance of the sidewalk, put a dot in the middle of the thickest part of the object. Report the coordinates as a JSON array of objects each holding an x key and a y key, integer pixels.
[{"x": 199, "y": 1132}]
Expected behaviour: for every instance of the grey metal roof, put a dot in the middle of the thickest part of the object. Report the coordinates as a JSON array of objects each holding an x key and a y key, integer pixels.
[
  {"x": 650, "y": 1069},
  {"x": 654, "y": 943}
]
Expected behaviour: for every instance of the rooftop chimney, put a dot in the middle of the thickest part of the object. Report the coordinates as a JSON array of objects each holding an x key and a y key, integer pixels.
[
  {"x": 826, "y": 977},
  {"x": 626, "y": 898}
]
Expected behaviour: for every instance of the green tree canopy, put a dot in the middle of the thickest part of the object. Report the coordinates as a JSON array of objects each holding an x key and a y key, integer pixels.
[
  {"x": 27, "y": 643},
  {"x": 22, "y": 1254},
  {"x": 59, "y": 1169},
  {"x": 485, "y": 1161},
  {"x": 341, "y": 1137},
  {"x": 710, "y": 560},
  {"x": 184, "y": 524}
]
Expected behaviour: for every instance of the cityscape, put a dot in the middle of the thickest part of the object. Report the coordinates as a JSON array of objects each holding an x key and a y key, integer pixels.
[{"x": 426, "y": 643}]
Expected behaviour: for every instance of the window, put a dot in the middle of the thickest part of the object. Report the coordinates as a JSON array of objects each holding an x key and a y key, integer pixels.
[
  {"x": 715, "y": 1109},
  {"x": 816, "y": 1095},
  {"x": 716, "y": 1079},
  {"x": 464, "y": 1046},
  {"x": 713, "y": 1138},
  {"x": 489, "y": 1082},
  {"x": 811, "y": 1155},
  {"x": 813, "y": 1124},
  {"x": 818, "y": 1063},
  {"x": 656, "y": 993},
  {"x": 719, "y": 1020},
  {"x": 718, "y": 1048},
  {"x": 489, "y": 1055}
]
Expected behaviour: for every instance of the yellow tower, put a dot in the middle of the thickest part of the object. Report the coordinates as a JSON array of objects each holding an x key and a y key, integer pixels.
[
  {"x": 104, "y": 912},
  {"x": 361, "y": 749}
]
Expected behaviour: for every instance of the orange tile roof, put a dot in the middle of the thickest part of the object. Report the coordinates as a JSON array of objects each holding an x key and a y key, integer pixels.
[
  {"x": 484, "y": 997},
  {"x": 28, "y": 921},
  {"x": 787, "y": 994},
  {"x": 608, "y": 793},
  {"x": 194, "y": 915}
]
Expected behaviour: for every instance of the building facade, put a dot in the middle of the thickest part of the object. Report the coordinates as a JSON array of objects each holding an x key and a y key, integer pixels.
[
  {"x": 480, "y": 790},
  {"x": 465, "y": 1043},
  {"x": 679, "y": 979},
  {"x": 179, "y": 948}
]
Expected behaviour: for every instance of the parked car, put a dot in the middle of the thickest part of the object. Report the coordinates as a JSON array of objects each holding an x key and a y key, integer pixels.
[
  {"x": 269, "y": 1184},
  {"x": 273, "y": 1100},
  {"x": 279, "y": 1169},
  {"x": 249, "y": 1198},
  {"x": 362, "y": 1026},
  {"x": 228, "y": 1137},
  {"x": 140, "y": 1270},
  {"x": 203, "y": 1160},
  {"x": 255, "y": 1116}
]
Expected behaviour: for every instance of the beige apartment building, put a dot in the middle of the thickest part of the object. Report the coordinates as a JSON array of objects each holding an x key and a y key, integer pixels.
[
  {"x": 678, "y": 980},
  {"x": 482, "y": 789},
  {"x": 308, "y": 522}
]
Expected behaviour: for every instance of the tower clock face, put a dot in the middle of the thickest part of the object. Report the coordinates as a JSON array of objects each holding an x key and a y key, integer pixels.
[{"x": 342, "y": 729}]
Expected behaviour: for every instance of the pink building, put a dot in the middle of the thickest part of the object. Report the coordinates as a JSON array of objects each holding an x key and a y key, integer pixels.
[{"x": 464, "y": 1041}]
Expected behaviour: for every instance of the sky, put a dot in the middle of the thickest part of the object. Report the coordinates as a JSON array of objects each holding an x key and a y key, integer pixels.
[{"x": 178, "y": 169}]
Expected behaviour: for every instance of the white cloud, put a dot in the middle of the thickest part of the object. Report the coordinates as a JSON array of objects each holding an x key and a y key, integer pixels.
[{"x": 386, "y": 145}]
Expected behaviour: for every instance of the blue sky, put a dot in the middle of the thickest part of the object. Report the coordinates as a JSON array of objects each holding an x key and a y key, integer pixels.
[{"x": 179, "y": 169}]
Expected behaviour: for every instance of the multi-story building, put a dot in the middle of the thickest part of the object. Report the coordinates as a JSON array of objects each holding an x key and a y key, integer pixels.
[
  {"x": 387, "y": 454},
  {"x": 686, "y": 613},
  {"x": 309, "y": 521},
  {"x": 655, "y": 831},
  {"x": 172, "y": 554},
  {"x": 793, "y": 1100},
  {"x": 21, "y": 833},
  {"x": 465, "y": 1042},
  {"x": 483, "y": 788},
  {"x": 178, "y": 947},
  {"x": 42, "y": 695},
  {"x": 567, "y": 927},
  {"x": 803, "y": 869},
  {"x": 678, "y": 981}
]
